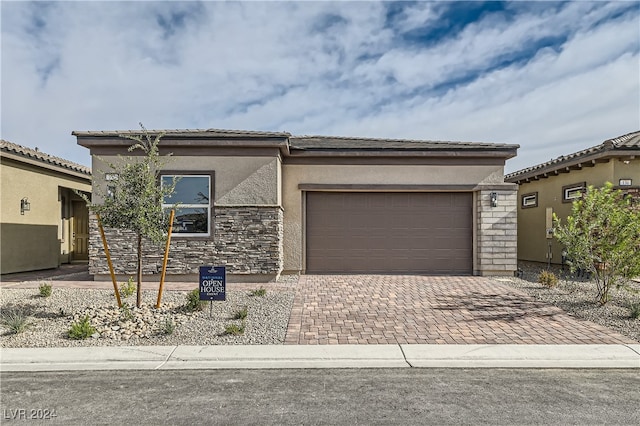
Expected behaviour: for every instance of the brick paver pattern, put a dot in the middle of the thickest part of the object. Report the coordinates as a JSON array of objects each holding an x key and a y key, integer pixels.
[{"x": 376, "y": 309}]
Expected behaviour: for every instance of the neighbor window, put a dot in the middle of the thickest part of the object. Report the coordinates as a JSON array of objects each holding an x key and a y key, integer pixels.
[
  {"x": 530, "y": 200},
  {"x": 193, "y": 198},
  {"x": 573, "y": 192}
]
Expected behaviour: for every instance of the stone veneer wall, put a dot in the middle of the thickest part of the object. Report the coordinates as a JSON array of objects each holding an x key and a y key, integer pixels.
[
  {"x": 247, "y": 240},
  {"x": 497, "y": 234}
]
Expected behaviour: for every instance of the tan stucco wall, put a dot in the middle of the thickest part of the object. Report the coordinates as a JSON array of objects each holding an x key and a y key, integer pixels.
[
  {"x": 532, "y": 241},
  {"x": 294, "y": 175},
  {"x": 32, "y": 241},
  {"x": 252, "y": 181}
]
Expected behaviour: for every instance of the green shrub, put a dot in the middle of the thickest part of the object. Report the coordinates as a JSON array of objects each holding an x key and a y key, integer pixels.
[
  {"x": 128, "y": 289},
  {"x": 548, "y": 279},
  {"x": 234, "y": 330},
  {"x": 45, "y": 289},
  {"x": 241, "y": 314},
  {"x": 16, "y": 319},
  {"x": 125, "y": 313},
  {"x": 168, "y": 326},
  {"x": 259, "y": 292},
  {"x": 81, "y": 329},
  {"x": 634, "y": 309},
  {"x": 193, "y": 301}
]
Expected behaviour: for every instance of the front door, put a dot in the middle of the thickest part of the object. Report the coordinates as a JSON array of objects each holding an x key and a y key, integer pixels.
[{"x": 80, "y": 231}]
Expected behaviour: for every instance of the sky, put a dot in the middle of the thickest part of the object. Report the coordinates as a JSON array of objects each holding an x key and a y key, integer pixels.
[{"x": 553, "y": 77}]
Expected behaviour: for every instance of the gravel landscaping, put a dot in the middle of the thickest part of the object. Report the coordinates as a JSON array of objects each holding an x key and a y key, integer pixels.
[
  {"x": 577, "y": 296},
  {"x": 50, "y": 318}
]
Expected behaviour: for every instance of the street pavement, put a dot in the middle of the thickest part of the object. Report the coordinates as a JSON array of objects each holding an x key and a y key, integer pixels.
[{"x": 364, "y": 396}]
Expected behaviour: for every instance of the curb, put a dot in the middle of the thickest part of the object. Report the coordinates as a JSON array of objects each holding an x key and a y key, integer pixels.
[{"x": 334, "y": 356}]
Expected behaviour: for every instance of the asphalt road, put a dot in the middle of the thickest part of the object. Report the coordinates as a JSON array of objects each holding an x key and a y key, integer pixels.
[{"x": 308, "y": 397}]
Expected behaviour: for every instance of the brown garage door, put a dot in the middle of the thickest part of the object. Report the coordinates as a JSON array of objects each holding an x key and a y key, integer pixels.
[{"x": 419, "y": 233}]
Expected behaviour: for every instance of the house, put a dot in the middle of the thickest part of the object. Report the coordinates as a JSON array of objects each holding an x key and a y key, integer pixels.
[
  {"x": 551, "y": 187},
  {"x": 43, "y": 222},
  {"x": 269, "y": 203}
]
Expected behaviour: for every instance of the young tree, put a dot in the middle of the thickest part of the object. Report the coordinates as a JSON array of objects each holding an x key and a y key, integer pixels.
[
  {"x": 602, "y": 236},
  {"x": 133, "y": 197}
]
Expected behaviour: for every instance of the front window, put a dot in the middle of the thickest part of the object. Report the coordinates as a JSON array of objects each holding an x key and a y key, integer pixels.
[{"x": 193, "y": 196}]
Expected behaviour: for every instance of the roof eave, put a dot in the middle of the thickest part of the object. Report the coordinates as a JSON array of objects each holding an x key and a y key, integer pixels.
[
  {"x": 572, "y": 164},
  {"x": 70, "y": 171}
]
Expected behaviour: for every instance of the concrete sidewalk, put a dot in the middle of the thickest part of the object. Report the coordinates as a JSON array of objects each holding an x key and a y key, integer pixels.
[{"x": 338, "y": 356}]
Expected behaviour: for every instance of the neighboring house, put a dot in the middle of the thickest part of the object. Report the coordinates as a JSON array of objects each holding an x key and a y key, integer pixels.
[
  {"x": 551, "y": 187},
  {"x": 43, "y": 223},
  {"x": 266, "y": 203}
]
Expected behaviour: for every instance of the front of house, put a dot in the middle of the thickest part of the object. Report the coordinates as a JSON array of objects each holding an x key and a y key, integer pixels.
[
  {"x": 550, "y": 188},
  {"x": 269, "y": 203}
]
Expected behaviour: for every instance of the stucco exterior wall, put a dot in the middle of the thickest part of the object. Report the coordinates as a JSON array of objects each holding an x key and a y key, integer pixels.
[
  {"x": 239, "y": 180},
  {"x": 532, "y": 242},
  {"x": 296, "y": 174},
  {"x": 247, "y": 224},
  {"x": 33, "y": 240}
]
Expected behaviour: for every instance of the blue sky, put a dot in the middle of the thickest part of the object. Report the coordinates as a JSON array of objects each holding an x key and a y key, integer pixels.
[{"x": 554, "y": 77}]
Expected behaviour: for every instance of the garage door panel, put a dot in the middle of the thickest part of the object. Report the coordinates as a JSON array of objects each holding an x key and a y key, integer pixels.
[{"x": 389, "y": 232}]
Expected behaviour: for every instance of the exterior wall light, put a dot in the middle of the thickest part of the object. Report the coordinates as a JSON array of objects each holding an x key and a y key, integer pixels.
[
  {"x": 25, "y": 205},
  {"x": 494, "y": 199}
]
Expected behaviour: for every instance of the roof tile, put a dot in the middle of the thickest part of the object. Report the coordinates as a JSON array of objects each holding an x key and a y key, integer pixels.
[{"x": 23, "y": 151}]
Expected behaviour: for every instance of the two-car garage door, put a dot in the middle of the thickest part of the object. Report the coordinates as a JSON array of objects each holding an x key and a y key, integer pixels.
[{"x": 375, "y": 232}]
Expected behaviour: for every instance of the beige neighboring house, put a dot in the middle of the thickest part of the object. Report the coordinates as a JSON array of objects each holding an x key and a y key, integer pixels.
[
  {"x": 551, "y": 187},
  {"x": 43, "y": 223},
  {"x": 264, "y": 204}
]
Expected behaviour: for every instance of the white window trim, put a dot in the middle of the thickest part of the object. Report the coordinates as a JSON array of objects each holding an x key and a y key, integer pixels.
[
  {"x": 572, "y": 192},
  {"x": 530, "y": 200},
  {"x": 192, "y": 206}
]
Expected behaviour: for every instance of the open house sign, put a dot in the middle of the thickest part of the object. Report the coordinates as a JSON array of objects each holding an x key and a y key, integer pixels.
[{"x": 213, "y": 282}]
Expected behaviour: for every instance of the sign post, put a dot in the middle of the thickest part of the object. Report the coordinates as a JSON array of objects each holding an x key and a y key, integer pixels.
[{"x": 213, "y": 284}]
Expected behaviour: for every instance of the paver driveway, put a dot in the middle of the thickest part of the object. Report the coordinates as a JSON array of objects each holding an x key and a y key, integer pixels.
[{"x": 366, "y": 309}]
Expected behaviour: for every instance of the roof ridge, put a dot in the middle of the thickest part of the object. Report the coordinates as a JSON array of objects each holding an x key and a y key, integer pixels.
[{"x": 24, "y": 151}]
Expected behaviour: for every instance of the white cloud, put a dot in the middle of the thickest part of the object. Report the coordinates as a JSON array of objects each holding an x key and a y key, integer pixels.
[{"x": 320, "y": 68}]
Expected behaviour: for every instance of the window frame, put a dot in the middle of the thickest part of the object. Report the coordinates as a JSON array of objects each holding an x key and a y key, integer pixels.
[
  {"x": 210, "y": 208},
  {"x": 111, "y": 188},
  {"x": 580, "y": 186},
  {"x": 524, "y": 197}
]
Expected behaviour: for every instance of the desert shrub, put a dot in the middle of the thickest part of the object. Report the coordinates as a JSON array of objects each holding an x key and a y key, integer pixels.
[
  {"x": 241, "y": 314},
  {"x": 126, "y": 313},
  {"x": 81, "y": 329},
  {"x": 548, "y": 279},
  {"x": 234, "y": 329},
  {"x": 45, "y": 289},
  {"x": 15, "y": 319},
  {"x": 127, "y": 289},
  {"x": 168, "y": 326},
  {"x": 259, "y": 292},
  {"x": 193, "y": 301},
  {"x": 634, "y": 310}
]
